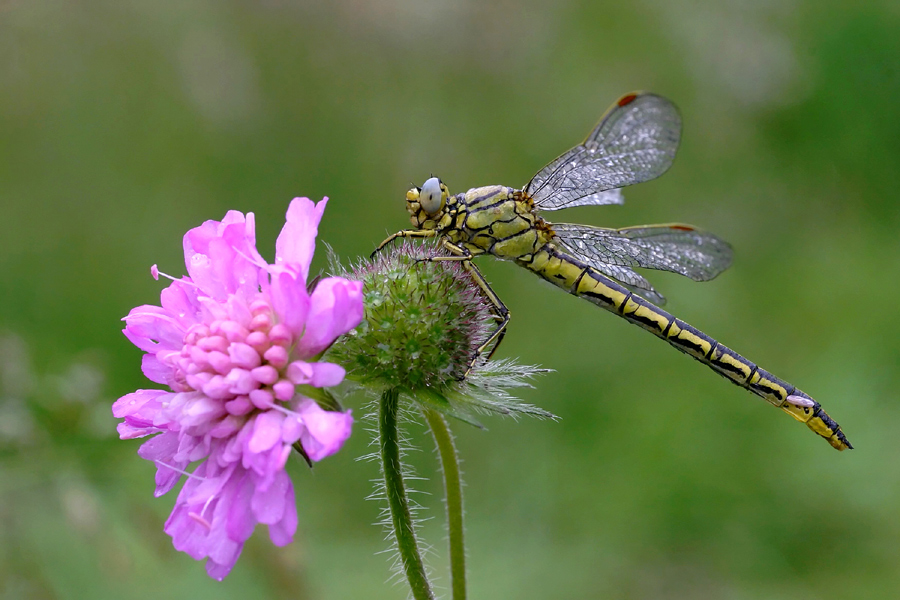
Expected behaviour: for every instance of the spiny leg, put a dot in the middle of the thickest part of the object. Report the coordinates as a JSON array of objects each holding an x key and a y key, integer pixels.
[
  {"x": 406, "y": 233},
  {"x": 500, "y": 312},
  {"x": 501, "y": 315}
]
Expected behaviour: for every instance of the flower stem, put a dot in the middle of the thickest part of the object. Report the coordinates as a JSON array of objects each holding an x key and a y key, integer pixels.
[
  {"x": 453, "y": 498},
  {"x": 398, "y": 500}
]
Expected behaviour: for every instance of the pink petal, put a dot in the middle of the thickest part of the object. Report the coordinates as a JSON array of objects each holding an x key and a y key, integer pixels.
[
  {"x": 283, "y": 390},
  {"x": 292, "y": 429},
  {"x": 187, "y": 535},
  {"x": 268, "y": 505},
  {"x": 200, "y": 409},
  {"x": 277, "y": 356},
  {"x": 241, "y": 381},
  {"x": 317, "y": 374},
  {"x": 198, "y": 524},
  {"x": 223, "y": 552},
  {"x": 154, "y": 370},
  {"x": 240, "y": 519},
  {"x": 229, "y": 425},
  {"x": 266, "y": 374},
  {"x": 289, "y": 299},
  {"x": 221, "y": 258},
  {"x": 131, "y": 431},
  {"x": 266, "y": 431},
  {"x": 198, "y": 239},
  {"x": 336, "y": 307},
  {"x": 239, "y": 406},
  {"x": 201, "y": 270},
  {"x": 300, "y": 372},
  {"x": 214, "y": 478},
  {"x": 134, "y": 403},
  {"x": 326, "y": 431},
  {"x": 217, "y": 571},
  {"x": 282, "y": 532},
  {"x": 179, "y": 300},
  {"x": 152, "y": 328},
  {"x": 241, "y": 241},
  {"x": 160, "y": 449},
  {"x": 244, "y": 356},
  {"x": 190, "y": 448},
  {"x": 217, "y": 387},
  {"x": 297, "y": 240},
  {"x": 261, "y": 398},
  {"x": 167, "y": 477}
]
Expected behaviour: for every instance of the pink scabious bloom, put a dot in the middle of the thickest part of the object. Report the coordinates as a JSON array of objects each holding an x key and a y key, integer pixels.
[{"x": 235, "y": 341}]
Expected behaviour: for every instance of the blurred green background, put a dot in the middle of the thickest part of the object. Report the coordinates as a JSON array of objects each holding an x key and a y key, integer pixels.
[{"x": 124, "y": 123}]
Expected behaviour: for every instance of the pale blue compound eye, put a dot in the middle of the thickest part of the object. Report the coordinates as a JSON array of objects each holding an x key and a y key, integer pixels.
[{"x": 430, "y": 197}]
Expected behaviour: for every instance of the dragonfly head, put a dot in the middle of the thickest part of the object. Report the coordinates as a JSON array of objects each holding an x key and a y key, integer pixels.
[{"x": 426, "y": 204}]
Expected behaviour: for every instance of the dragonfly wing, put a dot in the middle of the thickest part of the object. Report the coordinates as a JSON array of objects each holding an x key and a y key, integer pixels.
[
  {"x": 677, "y": 248},
  {"x": 632, "y": 280},
  {"x": 635, "y": 141}
]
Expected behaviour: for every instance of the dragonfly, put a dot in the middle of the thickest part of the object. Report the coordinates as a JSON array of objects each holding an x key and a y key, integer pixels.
[{"x": 635, "y": 141}]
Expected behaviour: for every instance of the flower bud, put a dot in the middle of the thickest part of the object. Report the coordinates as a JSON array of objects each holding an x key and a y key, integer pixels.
[{"x": 424, "y": 321}]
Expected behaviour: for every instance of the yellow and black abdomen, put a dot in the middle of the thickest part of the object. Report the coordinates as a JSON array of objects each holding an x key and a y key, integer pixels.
[{"x": 580, "y": 279}]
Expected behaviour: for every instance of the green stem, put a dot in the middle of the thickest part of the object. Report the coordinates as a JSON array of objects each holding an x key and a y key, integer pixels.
[
  {"x": 398, "y": 501},
  {"x": 453, "y": 497}
]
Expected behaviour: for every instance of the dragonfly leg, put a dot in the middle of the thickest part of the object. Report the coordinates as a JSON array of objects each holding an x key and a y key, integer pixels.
[
  {"x": 500, "y": 312},
  {"x": 406, "y": 233},
  {"x": 459, "y": 253}
]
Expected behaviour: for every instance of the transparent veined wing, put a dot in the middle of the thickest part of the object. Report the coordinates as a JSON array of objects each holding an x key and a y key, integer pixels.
[
  {"x": 634, "y": 142},
  {"x": 632, "y": 280},
  {"x": 677, "y": 248}
]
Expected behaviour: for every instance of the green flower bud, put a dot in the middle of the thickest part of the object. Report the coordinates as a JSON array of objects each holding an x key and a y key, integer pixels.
[{"x": 423, "y": 322}]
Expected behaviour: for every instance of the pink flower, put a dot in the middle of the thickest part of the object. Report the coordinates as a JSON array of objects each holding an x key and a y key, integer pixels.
[{"x": 236, "y": 343}]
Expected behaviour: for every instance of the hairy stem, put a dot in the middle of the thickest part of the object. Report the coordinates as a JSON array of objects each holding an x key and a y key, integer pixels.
[
  {"x": 453, "y": 498},
  {"x": 398, "y": 501}
]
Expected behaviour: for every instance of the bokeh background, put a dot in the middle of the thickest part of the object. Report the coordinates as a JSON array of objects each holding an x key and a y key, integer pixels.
[{"x": 123, "y": 123}]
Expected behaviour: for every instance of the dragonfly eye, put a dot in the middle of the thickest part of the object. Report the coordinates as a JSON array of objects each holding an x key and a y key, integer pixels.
[{"x": 431, "y": 196}]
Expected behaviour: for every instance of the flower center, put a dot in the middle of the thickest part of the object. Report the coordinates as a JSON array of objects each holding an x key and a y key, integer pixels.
[{"x": 241, "y": 363}]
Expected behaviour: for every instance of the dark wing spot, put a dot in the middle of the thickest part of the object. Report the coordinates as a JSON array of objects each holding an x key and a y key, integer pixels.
[{"x": 626, "y": 99}]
